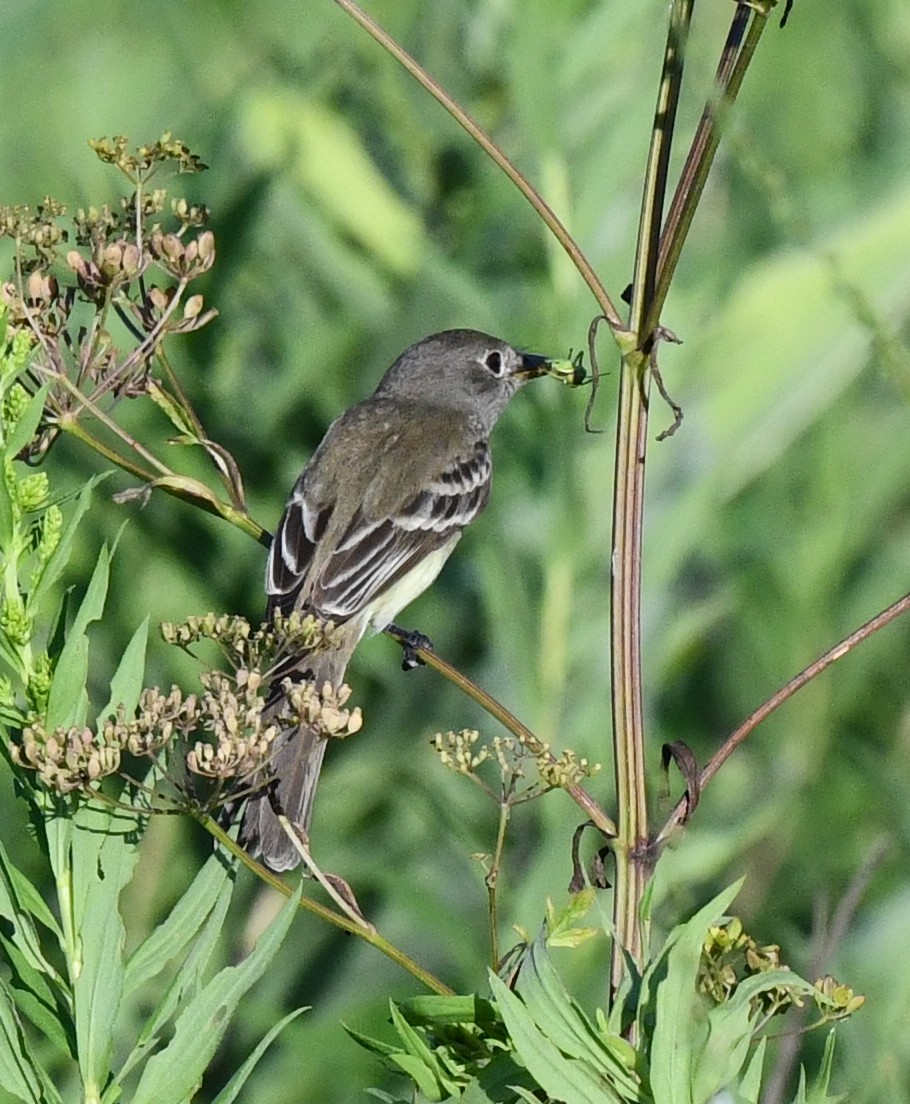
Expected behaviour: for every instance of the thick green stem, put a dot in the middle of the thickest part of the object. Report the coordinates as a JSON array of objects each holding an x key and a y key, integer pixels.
[{"x": 630, "y": 849}]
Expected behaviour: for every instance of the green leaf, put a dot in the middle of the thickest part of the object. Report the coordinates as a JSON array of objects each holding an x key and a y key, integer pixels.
[
  {"x": 187, "y": 981},
  {"x": 67, "y": 702},
  {"x": 422, "y": 1077},
  {"x": 28, "y": 423},
  {"x": 438, "y": 1010},
  {"x": 172, "y": 1075},
  {"x": 104, "y": 848},
  {"x": 44, "y": 1006},
  {"x": 571, "y": 1082},
  {"x": 680, "y": 1019},
  {"x": 126, "y": 685},
  {"x": 750, "y": 1085},
  {"x": 20, "y": 903},
  {"x": 60, "y": 558},
  {"x": 730, "y": 1026},
  {"x": 818, "y": 1094},
  {"x": 169, "y": 940},
  {"x": 565, "y": 1025},
  {"x": 375, "y": 1046},
  {"x": 92, "y": 606},
  {"x": 17, "y": 1074},
  {"x": 231, "y": 1090},
  {"x": 416, "y": 1046}
]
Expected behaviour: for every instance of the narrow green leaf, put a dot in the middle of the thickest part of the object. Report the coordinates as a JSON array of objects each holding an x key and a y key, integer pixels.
[
  {"x": 750, "y": 1085},
  {"x": 524, "y": 1095},
  {"x": 232, "y": 1089},
  {"x": 435, "y": 1010},
  {"x": 67, "y": 701},
  {"x": 818, "y": 1094},
  {"x": 170, "y": 939},
  {"x": 17, "y": 1074},
  {"x": 42, "y": 1005},
  {"x": 679, "y": 1024},
  {"x": 104, "y": 849},
  {"x": 375, "y": 1046},
  {"x": 187, "y": 981},
  {"x": 19, "y": 904},
  {"x": 92, "y": 606},
  {"x": 416, "y": 1046},
  {"x": 565, "y": 1025},
  {"x": 413, "y": 1042},
  {"x": 60, "y": 558},
  {"x": 126, "y": 685},
  {"x": 28, "y": 897},
  {"x": 7, "y": 521},
  {"x": 172, "y": 1075},
  {"x": 571, "y": 1082},
  {"x": 419, "y": 1074}
]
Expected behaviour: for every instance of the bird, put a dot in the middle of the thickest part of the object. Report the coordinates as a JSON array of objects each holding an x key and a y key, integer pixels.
[{"x": 374, "y": 515}]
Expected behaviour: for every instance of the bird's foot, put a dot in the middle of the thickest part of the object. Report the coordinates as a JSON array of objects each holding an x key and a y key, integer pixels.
[{"x": 411, "y": 643}]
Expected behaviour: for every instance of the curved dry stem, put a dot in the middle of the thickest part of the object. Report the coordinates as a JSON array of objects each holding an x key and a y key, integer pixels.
[
  {"x": 369, "y": 935},
  {"x": 510, "y": 722},
  {"x": 678, "y": 816},
  {"x": 486, "y": 143}
]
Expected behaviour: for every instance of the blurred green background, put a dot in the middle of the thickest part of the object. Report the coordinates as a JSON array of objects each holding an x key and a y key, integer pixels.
[{"x": 353, "y": 217}]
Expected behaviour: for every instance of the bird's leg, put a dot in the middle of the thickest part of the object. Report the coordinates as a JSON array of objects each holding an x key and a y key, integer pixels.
[{"x": 411, "y": 642}]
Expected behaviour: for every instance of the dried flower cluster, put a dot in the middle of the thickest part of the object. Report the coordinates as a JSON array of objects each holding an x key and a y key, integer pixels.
[
  {"x": 237, "y": 714},
  {"x": 266, "y": 649},
  {"x": 65, "y": 307},
  {"x": 463, "y": 753}
]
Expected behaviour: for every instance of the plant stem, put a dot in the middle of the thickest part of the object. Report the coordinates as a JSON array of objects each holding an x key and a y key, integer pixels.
[
  {"x": 489, "y": 147},
  {"x": 632, "y": 867},
  {"x": 731, "y": 70},
  {"x": 896, "y": 609},
  {"x": 368, "y": 934},
  {"x": 520, "y": 731},
  {"x": 492, "y": 878}
]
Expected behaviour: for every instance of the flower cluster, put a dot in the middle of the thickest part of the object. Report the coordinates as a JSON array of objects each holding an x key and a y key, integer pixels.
[
  {"x": 116, "y": 251},
  {"x": 232, "y": 724},
  {"x": 463, "y": 753},
  {"x": 730, "y": 956},
  {"x": 268, "y": 648}
]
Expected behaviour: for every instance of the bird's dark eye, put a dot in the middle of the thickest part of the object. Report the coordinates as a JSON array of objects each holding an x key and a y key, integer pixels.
[{"x": 493, "y": 361}]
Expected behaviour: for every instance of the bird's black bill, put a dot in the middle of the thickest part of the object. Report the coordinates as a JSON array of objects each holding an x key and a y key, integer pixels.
[{"x": 533, "y": 366}]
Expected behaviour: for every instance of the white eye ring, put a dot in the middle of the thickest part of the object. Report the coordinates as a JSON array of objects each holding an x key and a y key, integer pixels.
[{"x": 495, "y": 362}]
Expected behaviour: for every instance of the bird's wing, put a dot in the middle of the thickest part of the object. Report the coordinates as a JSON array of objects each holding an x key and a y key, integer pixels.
[{"x": 373, "y": 552}]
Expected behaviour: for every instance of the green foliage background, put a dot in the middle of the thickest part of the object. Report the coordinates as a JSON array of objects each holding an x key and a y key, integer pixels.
[{"x": 352, "y": 217}]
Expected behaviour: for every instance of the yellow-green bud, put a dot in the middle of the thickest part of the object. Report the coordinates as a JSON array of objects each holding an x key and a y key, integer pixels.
[
  {"x": 15, "y": 623},
  {"x": 49, "y": 532},
  {"x": 38, "y": 688},
  {"x": 14, "y": 405},
  {"x": 32, "y": 492}
]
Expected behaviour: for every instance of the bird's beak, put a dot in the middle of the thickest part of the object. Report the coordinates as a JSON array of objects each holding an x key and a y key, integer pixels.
[{"x": 532, "y": 366}]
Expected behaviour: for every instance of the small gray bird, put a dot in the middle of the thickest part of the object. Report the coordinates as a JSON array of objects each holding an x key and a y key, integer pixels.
[{"x": 373, "y": 517}]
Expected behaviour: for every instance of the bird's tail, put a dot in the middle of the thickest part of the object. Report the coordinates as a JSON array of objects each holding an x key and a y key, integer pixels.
[{"x": 294, "y": 773}]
